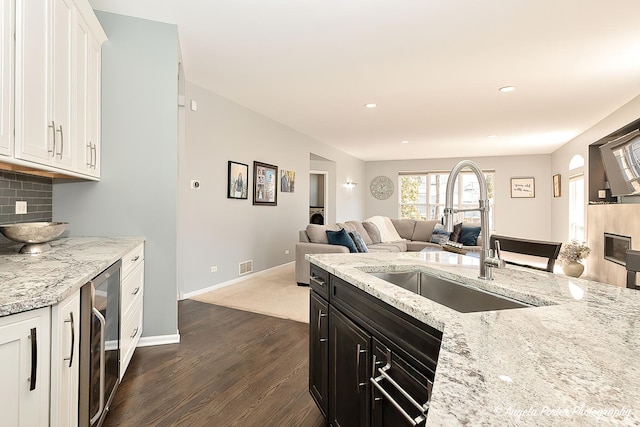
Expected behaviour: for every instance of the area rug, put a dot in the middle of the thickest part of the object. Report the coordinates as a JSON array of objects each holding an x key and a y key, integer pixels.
[{"x": 274, "y": 293}]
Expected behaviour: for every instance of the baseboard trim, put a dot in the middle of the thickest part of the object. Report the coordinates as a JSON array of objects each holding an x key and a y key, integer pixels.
[
  {"x": 187, "y": 295},
  {"x": 159, "y": 340}
]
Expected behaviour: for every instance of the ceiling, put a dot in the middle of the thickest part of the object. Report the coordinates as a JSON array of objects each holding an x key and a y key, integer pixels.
[{"x": 432, "y": 67}]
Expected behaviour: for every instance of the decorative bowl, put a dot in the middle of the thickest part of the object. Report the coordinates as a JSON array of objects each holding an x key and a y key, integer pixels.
[{"x": 36, "y": 235}]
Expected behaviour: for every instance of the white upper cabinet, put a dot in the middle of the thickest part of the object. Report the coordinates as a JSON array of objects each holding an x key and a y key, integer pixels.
[
  {"x": 87, "y": 96},
  {"x": 61, "y": 67},
  {"x": 43, "y": 82},
  {"x": 57, "y": 50},
  {"x": 34, "y": 131},
  {"x": 6, "y": 76}
]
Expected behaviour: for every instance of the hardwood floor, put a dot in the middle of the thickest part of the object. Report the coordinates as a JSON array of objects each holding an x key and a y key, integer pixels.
[{"x": 231, "y": 367}]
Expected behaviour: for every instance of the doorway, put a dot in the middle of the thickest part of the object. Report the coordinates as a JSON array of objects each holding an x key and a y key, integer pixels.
[{"x": 318, "y": 197}]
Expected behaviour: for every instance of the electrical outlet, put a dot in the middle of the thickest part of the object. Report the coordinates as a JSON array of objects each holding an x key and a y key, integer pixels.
[
  {"x": 214, "y": 268},
  {"x": 21, "y": 207},
  {"x": 286, "y": 251}
]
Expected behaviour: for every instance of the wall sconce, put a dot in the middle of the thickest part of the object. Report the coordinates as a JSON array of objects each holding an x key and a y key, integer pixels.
[{"x": 350, "y": 184}]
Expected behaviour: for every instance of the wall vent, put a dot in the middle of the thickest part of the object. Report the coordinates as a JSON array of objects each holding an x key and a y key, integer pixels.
[{"x": 245, "y": 267}]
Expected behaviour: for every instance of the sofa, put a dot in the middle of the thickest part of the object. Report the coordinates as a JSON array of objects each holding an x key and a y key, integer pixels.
[{"x": 378, "y": 234}]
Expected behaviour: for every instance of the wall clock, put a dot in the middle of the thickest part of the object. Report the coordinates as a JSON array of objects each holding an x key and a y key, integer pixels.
[{"x": 381, "y": 187}]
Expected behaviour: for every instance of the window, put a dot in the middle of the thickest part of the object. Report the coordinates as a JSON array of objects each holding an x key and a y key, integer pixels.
[
  {"x": 423, "y": 196},
  {"x": 576, "y": 208}
]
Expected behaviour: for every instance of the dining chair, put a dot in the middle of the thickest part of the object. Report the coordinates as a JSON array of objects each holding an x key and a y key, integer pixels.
[{"x": 539, "y": 255}]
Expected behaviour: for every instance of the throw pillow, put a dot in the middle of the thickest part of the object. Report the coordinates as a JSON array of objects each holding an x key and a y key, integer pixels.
[
  {"x": 439, "y": 235},
  {"x": 341, "y": 238},
  {"x": 469, "y": 235},
  {"x": 455, "y": 235},
  {"x": 359, "y": 241},
  {"x": 372, "y": 231},
  {"x": 357, "y": 226}
]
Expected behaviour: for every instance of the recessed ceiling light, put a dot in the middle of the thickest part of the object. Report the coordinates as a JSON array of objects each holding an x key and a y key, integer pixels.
[
  {"x": 507, "y": 89},
  {"x": 370, "y": 105},
  {"x": 492, "y": 136},
  {"x": 404, "y": 142}
]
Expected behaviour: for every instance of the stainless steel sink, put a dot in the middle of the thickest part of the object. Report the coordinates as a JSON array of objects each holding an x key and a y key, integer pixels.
[{"x": 452, "y": 294}]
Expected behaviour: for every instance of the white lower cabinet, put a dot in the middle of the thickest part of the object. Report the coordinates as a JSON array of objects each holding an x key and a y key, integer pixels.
[
  {"x": 65, "y": 357},
  {"x": 24, "y": 368},
  {"x": 131, "y": 308},
  {"x": 40, "y": 353}
]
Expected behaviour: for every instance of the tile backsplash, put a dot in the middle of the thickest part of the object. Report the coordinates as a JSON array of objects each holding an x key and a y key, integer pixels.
[{"x": 36, "y": 191}]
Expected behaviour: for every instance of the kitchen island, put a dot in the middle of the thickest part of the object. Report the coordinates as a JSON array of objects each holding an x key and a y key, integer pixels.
[{"x": 572, "y": 359}]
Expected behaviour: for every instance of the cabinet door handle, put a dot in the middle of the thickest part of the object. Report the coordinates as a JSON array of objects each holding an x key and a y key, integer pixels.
[
  {"x": 318, "y": 281},
  {"x": 135, "y": 291},
  {"x": 33, "y": 336},
  {"x": 135, "y": 258},
  {"x": 52, "y": 126},
  {"x": 61, "y": 141},
  {"x": 94, "y": 155},
  {"x": 320, "y": 316},
  {"x": 73, "y": 338},
  {"x": 359, "y": 352},
  {"x": 135, "y": 331},
  {"x": 89, "y": 156},
  {"x": 384, "y": 375}
]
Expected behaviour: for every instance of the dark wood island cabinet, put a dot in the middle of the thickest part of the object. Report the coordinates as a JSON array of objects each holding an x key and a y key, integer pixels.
[{"x": 369, "y": 363}]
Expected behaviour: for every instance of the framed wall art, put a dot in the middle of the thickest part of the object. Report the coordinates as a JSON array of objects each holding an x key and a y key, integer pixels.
[
  {"x": 556, "y": 185},
  {"x": 523, "y": 188},
  {"x": 287, "y": 181},
  {"x": 237, "y": 180},
  {"x": 265, "y": 184}
]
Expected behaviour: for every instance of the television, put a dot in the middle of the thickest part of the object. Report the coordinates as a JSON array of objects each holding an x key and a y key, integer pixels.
[{"x": 621, "y": 160}]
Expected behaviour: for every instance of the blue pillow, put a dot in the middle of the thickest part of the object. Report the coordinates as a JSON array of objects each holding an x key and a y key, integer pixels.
[
  {"x": 361, "y": 246},
  {"x": 439, "y": 235},
  {"x": 469, "y": 235},
  {"x": 341, "y": 238}
]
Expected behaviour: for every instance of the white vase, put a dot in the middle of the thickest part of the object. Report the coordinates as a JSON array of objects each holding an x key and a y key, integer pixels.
[{"x": 573, "y": 268}]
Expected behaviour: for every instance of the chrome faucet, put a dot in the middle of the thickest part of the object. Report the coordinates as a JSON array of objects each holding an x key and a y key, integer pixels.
[{"x": 487, "y": 261}]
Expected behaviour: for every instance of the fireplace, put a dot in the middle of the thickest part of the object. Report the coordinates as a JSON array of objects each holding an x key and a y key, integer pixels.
[{"x": 615, "y": 248}]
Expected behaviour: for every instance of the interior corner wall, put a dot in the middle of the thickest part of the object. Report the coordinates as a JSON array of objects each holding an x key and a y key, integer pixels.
[
  {"x": 518, "y": 217},
  {"x": 580, "y": 145},
  {"x": 216, "y": 231},
  {"x": 137, "y": 192}
]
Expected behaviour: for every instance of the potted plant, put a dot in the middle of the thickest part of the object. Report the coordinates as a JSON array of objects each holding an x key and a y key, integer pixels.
[{"x": 571, "y": 254}]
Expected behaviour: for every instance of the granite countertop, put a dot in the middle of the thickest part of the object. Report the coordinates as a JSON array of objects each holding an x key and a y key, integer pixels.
[
  {"x": 573, "y": 359},
  {"x": 28, "y": 282}
]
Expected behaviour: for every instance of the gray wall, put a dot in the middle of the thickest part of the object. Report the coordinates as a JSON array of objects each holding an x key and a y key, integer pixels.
[
  {"x": 137, "y": 193},
  {"x": 216, "y": 231},
  {"x": 527, "y": 218}
]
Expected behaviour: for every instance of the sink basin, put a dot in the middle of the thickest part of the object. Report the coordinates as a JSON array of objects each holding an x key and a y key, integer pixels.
[{"x": 454, "y": 295}]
